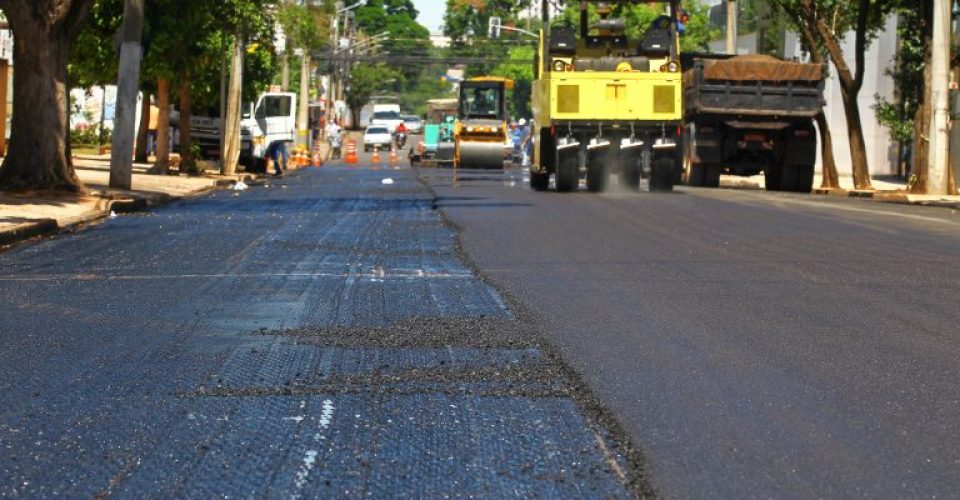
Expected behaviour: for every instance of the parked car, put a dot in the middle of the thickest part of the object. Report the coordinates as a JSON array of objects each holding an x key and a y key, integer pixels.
[
  {"x": 413, "y": 123},
  {"x": 377, "y": 135}
]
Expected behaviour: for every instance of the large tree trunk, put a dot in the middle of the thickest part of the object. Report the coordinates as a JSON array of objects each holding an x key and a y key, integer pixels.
[
  {"x": 858, "y": 147},
  {"x": 921, "y": 128},
  {"x": 850, "y": 83},
  {"x": 141, "y": 149},
  {"x": 162, "y": 165},
  {"x": 831, "y": 180},
  {"x": 188, "y": 163},
  {"x": 38, "y": 156}
]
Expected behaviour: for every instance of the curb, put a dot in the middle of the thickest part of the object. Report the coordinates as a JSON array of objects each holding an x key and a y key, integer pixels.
[
  {"x": 25, "y": 231},
  {"x": 945, "y": 201}
]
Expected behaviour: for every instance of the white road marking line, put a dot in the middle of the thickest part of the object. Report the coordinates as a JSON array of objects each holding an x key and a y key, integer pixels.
[{"x": 310, "y": 456}]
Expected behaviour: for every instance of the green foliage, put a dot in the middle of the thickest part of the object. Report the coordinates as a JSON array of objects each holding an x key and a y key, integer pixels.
[
  {"x": 407, "y": 38},
  {"x": 522, "y": 75},
  {"x": 306, "y": 26},
  {"x": 467, "y": 20},
  {"x": 907, "y": 72},
  {"x": 90, "y": 136},
  {"x": 181, "y": 37},
  {"x": 367, "y": 80},
  {"x": 891, "y": 115},
  {"x": 638, "y": 18},
  {"x": 93, "y": 58}
]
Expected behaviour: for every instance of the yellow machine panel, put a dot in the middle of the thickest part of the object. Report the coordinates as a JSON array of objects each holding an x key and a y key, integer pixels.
[{"x": 614, "y": 96}]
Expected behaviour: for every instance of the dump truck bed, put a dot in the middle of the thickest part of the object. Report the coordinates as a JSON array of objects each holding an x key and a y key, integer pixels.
[{"x": 754, "y": 85}]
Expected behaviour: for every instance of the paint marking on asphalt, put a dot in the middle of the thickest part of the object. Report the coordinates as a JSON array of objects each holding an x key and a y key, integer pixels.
[
  {"x": 377, "y": 275},
  {"x": 310, "y": 456},
  {"x": 608, "y": 456}
]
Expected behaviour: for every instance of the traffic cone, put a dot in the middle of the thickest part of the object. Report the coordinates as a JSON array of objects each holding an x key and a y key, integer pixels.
[
  {"x": 351, "y": 156},
  {"x": 376, "y": 155},
  {"x": 269, "y": 165},
  {"x": 393, "y": 156},
  {"x": 317, "y": 163}
]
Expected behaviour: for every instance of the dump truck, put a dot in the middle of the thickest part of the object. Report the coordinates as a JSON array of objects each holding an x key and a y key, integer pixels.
[
  {"x": 481, "y": 128},
  {"x": 750, "y": 114},
  {"x": 604, "y": 103}
]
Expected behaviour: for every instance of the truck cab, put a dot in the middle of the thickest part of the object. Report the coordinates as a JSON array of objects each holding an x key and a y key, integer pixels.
[{"x": 271, "y": 120}]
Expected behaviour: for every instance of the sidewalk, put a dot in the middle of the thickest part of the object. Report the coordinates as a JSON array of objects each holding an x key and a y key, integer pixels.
[
  {"x": 890, "y": 190},
  {"x": 30, "y": 214}
]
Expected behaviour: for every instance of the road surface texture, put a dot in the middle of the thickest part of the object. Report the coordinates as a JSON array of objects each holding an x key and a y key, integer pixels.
[
  {"x": 316, "y": 336},
  {"x": 753, "y": 345}
]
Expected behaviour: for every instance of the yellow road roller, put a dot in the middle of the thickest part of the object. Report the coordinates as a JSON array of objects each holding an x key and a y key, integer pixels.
[{"x": 481, "y": 128}]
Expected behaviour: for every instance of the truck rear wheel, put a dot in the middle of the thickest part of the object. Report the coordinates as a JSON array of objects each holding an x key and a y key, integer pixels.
[
  {"x": 797, "y": 178},
  {"x": 662, "y": 174},
  {"x": 772, "y": 178},
  {"x": 598, "y": 175},
  {"x": 629, "y": 163},
  {"x": 568, "y": 170},
  {"x": 539, "y": 182},
  {"x": 711, "y": 175}
]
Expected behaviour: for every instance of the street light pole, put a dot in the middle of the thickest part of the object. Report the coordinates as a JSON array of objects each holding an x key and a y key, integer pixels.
[{"x": 731, "y": 27}]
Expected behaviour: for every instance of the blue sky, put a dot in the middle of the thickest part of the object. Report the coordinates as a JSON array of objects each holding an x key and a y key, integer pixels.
[{"x": 431, "y": 13}]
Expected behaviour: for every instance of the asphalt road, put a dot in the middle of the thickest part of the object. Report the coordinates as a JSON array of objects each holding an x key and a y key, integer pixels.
[
  {"x": 315, "y": 336},
  {"x": 751, "y": 344}
]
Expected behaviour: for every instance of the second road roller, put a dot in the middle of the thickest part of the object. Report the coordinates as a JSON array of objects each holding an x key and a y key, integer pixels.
[{"x": 481, "y": 128}]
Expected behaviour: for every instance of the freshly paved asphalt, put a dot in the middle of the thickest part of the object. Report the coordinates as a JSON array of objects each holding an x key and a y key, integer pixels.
[
  {"x": 318, "y": 337},
  {"x": 752, "y": 344}
]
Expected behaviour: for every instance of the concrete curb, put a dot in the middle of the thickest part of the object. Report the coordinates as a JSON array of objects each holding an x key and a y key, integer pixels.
[
  {"x": 947, "y": 201},
  {"x": 27, "y": 230}
]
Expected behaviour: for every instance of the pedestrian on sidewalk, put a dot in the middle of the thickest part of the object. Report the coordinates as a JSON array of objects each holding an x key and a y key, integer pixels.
[{"x": 152, "y": 131}]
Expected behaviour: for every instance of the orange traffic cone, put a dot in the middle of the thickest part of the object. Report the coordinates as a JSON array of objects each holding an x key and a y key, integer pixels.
[
  {"x": 317, "y": 162},
  {"x": 393, "y": 156},
  {"x": 351, "y": 152},
  {"x": 269, "y": 166},
  {"x": 376, "y": 155}
]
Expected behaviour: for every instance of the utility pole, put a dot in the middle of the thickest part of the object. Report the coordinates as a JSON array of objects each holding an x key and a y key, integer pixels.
[
  {"x": 303, "y": 119},
  {"x": 231, "y": 126},
  {"x": 955, "y": 127},
  {"x": 731, "y": 27},
  {"x": 128, "y": 86},
  {"x": 938, "y": 157}
]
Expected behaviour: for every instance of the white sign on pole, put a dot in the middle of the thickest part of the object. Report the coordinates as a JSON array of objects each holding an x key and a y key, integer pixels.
[{"x": 6, "y": 45}]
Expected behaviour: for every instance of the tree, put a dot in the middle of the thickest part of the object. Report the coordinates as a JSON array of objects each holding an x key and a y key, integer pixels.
[
  {"x": 908, "y": 118},
  {"x": 39, "y": 153},
  {"x": 365, "y": 81},
  {"x": 469, "y": 19},
  {"x": 522, "y": 75},
  {"x": 831, "y": 179},
  {"x": 829, "y": 21}
]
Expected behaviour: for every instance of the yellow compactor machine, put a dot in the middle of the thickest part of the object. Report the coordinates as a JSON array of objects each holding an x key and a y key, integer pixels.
[
  {"x": 606, "y": 103},
  {"x": 481, "y": 128}
]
